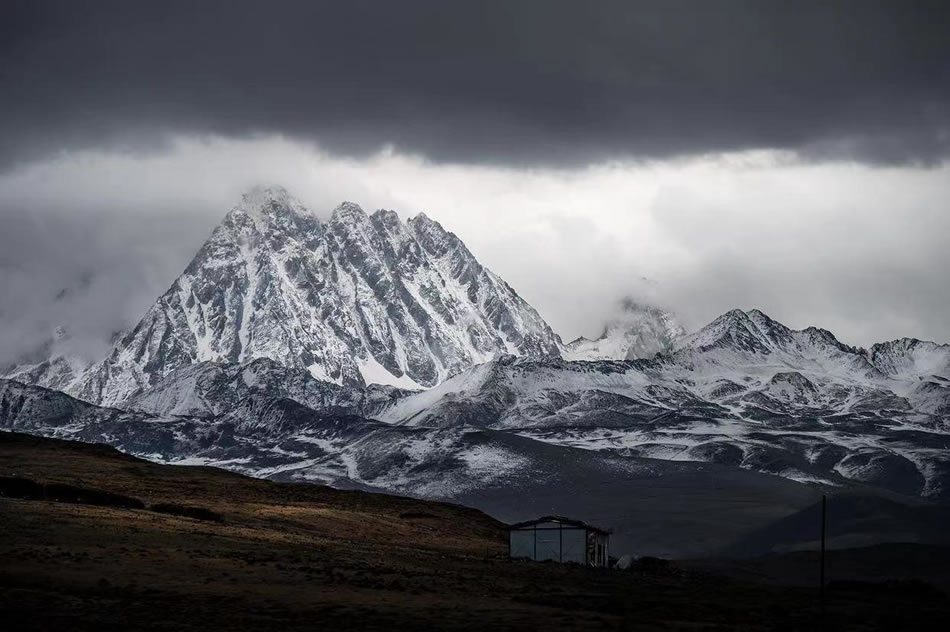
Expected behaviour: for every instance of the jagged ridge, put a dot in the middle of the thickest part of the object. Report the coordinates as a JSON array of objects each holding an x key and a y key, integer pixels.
[{"x": 361, "y": 298}]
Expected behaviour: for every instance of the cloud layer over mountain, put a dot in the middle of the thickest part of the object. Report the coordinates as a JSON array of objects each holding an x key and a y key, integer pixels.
[
  {"x": 705, "y": 156},
  {"x": 525, "y": 82},
  {"x": 91, "y": 239}
]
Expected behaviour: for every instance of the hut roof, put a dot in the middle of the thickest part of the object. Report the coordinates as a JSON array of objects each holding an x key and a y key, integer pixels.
[{"x": 577, "y": 524}]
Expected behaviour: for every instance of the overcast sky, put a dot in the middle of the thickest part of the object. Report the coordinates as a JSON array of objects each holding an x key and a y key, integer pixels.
[{"x": 702, "y": 155}]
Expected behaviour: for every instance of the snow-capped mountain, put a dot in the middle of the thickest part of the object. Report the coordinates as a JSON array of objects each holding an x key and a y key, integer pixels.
[
  {"x": 355, "y": 300},
  {"x": 745, "y": 390},
  {"x": 910, "y": 358},
  {"x": 639, "y": 331},
  {"x": 742, "y": 346},
  {"x": 368, "y": 351},
  {"x": 58, "y": 371},
  {"x": 49, "y": 365}
]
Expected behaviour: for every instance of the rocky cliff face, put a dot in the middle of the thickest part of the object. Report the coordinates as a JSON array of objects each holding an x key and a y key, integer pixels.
[{"x": 355, "y": 300}]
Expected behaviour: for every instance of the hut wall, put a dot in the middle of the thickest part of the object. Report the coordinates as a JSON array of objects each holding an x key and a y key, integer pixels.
[
  {"x": 573, "y": 545},
  {"x": 548, "y": 544},
  {"x": 521, "y": 542}
]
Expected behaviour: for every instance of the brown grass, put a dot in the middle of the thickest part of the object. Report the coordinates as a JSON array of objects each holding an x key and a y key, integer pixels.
[{"x": 287, "y": 557}]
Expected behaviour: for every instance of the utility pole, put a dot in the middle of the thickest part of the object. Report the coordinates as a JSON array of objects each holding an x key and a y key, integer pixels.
[{"x": 821, "y": 576}]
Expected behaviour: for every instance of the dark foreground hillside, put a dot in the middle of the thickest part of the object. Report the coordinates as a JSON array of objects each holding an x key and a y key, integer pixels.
[{"x": 91, "y": 539}]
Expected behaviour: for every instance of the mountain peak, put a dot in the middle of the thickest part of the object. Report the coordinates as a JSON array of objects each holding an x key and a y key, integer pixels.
[
  {"x": 386, "y": 217},
  {"x": 359, "y": 299},
  {"x": 348, "y": 210},
  {"x": 263, "y": 198},
  {"x": 750, "y": 331},
  {"x": 434, "y": 238},
  {"x": 263, "y": 192},
  {"x": 638, "y": 331},
  {"x": 426, "y": 224},
  {"x": 752, "y": 317},
  {"x": 910, "y": 357},
  {"x": 768, "y": 326},
  {"x": 724, "y": 322},
  {"x": 270, "y": 205}
]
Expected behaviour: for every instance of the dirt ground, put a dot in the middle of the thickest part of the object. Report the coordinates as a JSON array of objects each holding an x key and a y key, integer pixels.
[{"x": 269, "y": 556}]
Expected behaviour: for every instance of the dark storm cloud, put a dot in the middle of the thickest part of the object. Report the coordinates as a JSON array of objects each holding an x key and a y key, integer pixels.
[{"x": 508, "y": 82}]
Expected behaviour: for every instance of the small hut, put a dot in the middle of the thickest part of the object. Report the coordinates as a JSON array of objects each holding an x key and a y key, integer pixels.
[{"x": 558, "y": 539}]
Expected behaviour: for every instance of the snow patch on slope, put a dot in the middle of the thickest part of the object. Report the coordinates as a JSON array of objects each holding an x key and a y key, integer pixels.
[{"x": 375, "y": 373}]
